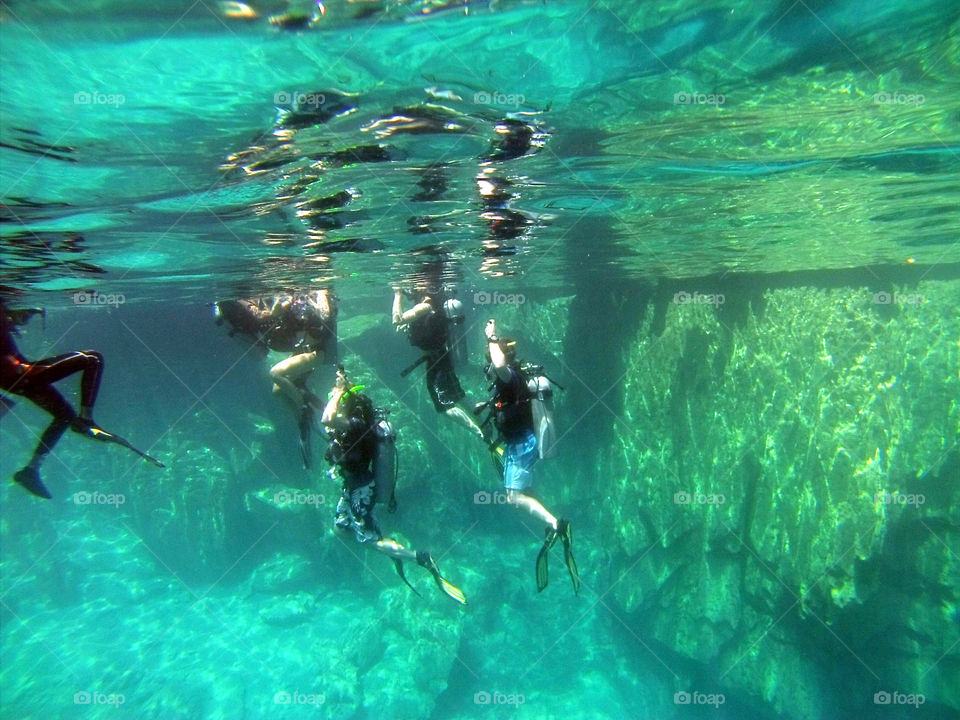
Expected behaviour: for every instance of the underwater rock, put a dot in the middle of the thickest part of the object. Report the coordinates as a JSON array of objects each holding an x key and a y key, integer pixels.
[
  {"x": 786, "y": 465},
  {"x": 284, "y": 573},
  {"x": 289, "y": 611}
]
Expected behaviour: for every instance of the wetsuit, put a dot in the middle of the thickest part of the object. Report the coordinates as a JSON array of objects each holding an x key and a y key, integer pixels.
[
  {"x": 34, "y": 380},
  {"x": 429, "y": 333}
]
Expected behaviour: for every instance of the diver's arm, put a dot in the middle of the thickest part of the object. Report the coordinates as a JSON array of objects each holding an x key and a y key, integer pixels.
[
  {"x": 416, "y": 311},
  {"x": 321, "y": 301},
  {"x": 329, "y": 416},
  {"x": 497, "y": 357},
  {"x": 397, "y": 314}
]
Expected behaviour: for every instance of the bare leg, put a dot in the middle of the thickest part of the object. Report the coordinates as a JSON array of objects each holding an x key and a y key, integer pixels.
[
  {"x": 391, "y": 547},
  {"x": 531, "y": 505},
  {"x": 460, "y": 416},
  {"x": 286, "y": 372}
]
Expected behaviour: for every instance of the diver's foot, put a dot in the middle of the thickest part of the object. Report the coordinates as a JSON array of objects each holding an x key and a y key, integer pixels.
[
  {"x": 424, "y": 559},
  {"x": 30, "y": 478}
]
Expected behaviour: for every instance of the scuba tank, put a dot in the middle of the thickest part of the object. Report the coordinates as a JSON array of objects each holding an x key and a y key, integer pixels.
[
  {"x": 541, "y": 405},
  {"x": 456, "y": 332},
  {"x": 385, "y": 462}
]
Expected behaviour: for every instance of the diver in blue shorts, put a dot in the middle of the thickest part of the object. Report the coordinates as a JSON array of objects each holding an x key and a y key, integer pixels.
[{"x": 512, "y": 410}]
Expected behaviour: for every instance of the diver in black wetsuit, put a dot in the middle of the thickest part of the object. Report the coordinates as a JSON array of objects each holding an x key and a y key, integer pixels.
[
  {"x": 428, "y": 328},
  {"x": 34, "y": 380}
]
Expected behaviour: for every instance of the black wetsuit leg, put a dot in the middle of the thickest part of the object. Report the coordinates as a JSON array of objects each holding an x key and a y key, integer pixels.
[
  {"x": 35, "y": 379},
  {"x": 442, "y": 382},
  {"x": 35, "y": 382}
]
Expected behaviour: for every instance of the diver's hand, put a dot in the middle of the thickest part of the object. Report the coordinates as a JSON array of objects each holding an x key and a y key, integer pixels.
[{"x": 491, "y": 329}]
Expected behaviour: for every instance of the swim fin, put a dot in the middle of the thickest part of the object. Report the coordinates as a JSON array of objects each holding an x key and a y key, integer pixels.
[
  {"x": 90, "y": 430},
  {"x": 565, "y": 532},
  {"x": 30, "y": 478},
  {"x": 399, "y": 563},
  {"x": 305, "y": 424},
  {"x": 424, "y": 558},
  {"x": 543, "y": 567}
]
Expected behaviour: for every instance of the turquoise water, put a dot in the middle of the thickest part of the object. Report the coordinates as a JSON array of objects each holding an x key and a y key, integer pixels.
[{"x": 734, "y": 233}]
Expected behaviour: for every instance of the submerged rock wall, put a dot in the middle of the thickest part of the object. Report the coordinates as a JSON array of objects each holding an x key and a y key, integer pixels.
[{"x": 788, "y": 471}]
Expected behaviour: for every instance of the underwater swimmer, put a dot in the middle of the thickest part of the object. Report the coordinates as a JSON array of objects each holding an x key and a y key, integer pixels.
[
  {"x": 359, "y": 437},
  {"x": 34, "y": 381}
]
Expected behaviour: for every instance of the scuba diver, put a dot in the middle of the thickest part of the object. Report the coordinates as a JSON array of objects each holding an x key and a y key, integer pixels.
[
  {"x": 363, "y": 450},
  {"x": 34, "y": 381},
  {"x": 303, "y": 324},
  {"x": 434, "y": 328},
  {"x": 521, "y": 412}
]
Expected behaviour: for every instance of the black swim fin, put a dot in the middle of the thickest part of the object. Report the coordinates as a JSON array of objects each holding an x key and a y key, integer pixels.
[
  {"x": 399, "y": 564},
  {"x": 565, "y": 533},
  {"x": 90, "y": 430},
  {"x": 543, "y": 567},
  {"x": 305, "y": 425},
  {"x": 426, "y": 560},
  {"x": 30, "y": 478}
]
